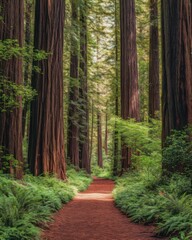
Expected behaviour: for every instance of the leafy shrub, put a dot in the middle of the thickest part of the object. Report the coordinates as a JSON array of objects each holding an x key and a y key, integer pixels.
[
  {"x": 26, "y": 204},
  {"x": 166, "y": 202},
  {"x": 177, "y": 154}
]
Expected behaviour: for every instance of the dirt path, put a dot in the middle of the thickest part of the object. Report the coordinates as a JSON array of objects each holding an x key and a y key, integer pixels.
[{"x": 93, "y": 216}]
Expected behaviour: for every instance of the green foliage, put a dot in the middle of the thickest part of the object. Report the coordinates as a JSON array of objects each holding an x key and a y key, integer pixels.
[
  {"x": 25, "y": 205},
  {"x": 144, "y": 139},
  {"x": 10, "y": 93},
  {"x": 177, "y": 153},
  {"x": 149, "y": 199}
]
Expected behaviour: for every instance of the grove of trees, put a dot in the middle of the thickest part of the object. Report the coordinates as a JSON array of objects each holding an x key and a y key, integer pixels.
[{"x": 96, "y": 85}]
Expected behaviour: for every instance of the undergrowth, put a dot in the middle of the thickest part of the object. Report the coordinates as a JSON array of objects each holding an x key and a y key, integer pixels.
[
  {"x": 27, "y": 205},
  {"x": 167, "y": 202},
  {"x": 149, "y": 195}
]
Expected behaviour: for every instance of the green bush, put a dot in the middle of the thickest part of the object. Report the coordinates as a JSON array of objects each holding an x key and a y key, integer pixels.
[
  {"x": 166, "y": 202},
  {"x": 177, "y": 153},
  {"x": 26, "y": 204}
]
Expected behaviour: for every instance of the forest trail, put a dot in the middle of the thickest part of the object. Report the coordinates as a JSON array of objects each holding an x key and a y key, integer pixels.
[{"x": 92, "y": 215}]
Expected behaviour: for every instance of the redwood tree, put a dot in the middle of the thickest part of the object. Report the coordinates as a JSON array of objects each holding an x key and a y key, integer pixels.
[
  {"x": 177, "y": 65},
  {"x": 129, "y": 70},
  {"x": 154, "y": 98},
  {"x": 73, "y": 115},
  {"x": 99, "y": 140},
  {"x": 12, "y": 27},
  {"x": 46, "y": 141},
  {"x": 83, "y": 91}
]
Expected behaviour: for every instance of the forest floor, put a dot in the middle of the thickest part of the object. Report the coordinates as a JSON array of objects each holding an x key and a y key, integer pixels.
[{"x": 92, "y": 215}]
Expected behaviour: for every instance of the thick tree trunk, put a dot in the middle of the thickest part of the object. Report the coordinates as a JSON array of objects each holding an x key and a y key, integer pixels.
[
  {"x": 154, "y": 97},
  {"x": 73, "y": 117},
  {"x": 84, "y": 113},
  {"x": 177, "y": 65},
  {"x": 12, "y": 27},
  {"x": 46, "y": 141},
  {"x": 99, "y": 140},
  {"x": 129, "y": 70}
]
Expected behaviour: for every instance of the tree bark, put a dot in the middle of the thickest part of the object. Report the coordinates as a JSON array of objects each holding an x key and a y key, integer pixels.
[
  {"x": 177, "y": 65},
  {"x": 115, "y": 133},
  {"x": 106, "y": 135},
  {"x": 28, "y": 40},
  {"x": 154, "y": 97},
  {"x": 83, "y": 92},
  {"x": 99, "y": 140},
  {"x": 73, "y": 117},
  {"x": 12, "y": 27},
  {"x": 92, "y": 129},
  {"x": 46, "y": 140},
  {"x": 129, "y": 70}
]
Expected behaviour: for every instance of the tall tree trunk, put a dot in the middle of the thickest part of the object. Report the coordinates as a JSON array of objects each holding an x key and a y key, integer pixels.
[
  {"x": 84, "y": 113},
  {"x": 177, "y": 65},
  {"x": 99, "y": 140},
  {"x": 106, "y": 135},
  {"x": 12, "y": 27},
  {"x": 92, "y": 129},
  {"x": 46, "y": 141},
  {"x": 115, "y": 134},
  {"x": 129, "y": 70},
  {"x": 154, "y": 97},
  {"x": 28, "y": 40},
  {"x": 73, "y": 117}
]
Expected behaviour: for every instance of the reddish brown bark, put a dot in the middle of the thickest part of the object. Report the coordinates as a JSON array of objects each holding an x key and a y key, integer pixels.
[
  {"x": 129, "y": 70},
  {"x": 46, "y": 142},
  {"x": 12, "y": 27},
  {"x": 84, "y": 111},
  {"x": 177, "y": 65},
  {"x": 154, "y": 97},
  {"x": 73, "y": 115}
]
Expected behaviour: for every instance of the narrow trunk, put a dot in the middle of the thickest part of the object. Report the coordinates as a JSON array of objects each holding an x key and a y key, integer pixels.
[
  {"x": 177, "y": 65},
  {"x": 27, "y": 73},
  {"x": 99, "y": 140},
  {"x": 12, "y": 27},
  {"x": 106, "y": 135},
  {"x": 46, "y": 140},
  {"x": 154, "y": 97},
  {"x": 115, "y": 134},
  {"x": 84, "y": 115},
  {"x": 73, "y": 115},
  {"x": 92, "y": 129},
  {"x": 129, "y": 71}
]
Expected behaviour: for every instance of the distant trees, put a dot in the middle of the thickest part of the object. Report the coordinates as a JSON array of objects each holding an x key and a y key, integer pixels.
[
  {"x": 11, "y": 72},
  {"x": 73, "y": 111},
  {"x": 154, "y": 83},
  {"x": 83, "y": 91},
  {"x": 46, "y": 140},
  {"x": 129, "y": 70},
  {"x": 177, "y": 65}
]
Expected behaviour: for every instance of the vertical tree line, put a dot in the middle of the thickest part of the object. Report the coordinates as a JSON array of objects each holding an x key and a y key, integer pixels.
[
  {"x": 129, "y": 70},
  {"x": 46, "y": 140},
  {"x": 91, "y": 63},
  {"x": 12, "y": 27}
]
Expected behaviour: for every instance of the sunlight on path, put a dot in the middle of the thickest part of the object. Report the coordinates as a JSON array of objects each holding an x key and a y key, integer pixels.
[{"x": 92, "y": 215}]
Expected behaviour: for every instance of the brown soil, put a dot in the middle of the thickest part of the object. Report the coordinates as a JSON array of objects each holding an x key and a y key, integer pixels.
[{"x": 92, "y": 215}]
